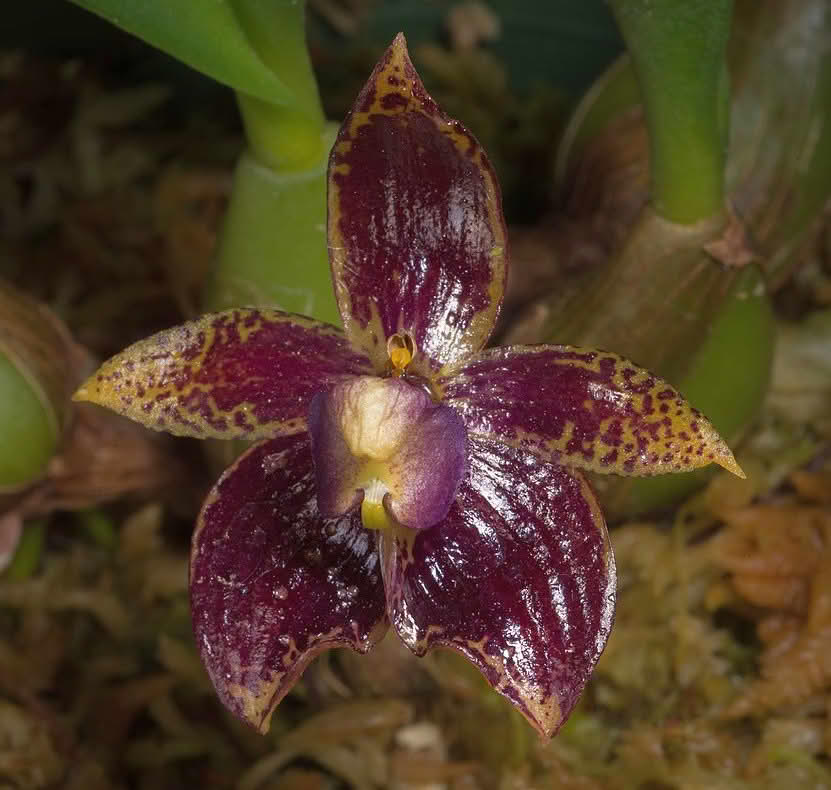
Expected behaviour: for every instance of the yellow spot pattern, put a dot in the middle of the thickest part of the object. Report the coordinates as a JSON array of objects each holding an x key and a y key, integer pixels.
[
  {"x": 155, "y": 381},
  {"x": 397, "y": 77},
  {"x": 629, "y": 422}
]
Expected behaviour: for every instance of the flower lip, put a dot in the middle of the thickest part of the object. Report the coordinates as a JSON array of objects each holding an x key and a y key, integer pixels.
[{"x": 389, "y": 439}]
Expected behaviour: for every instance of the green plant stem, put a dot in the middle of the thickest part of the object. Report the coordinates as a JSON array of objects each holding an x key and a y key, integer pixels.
[
  {"x": 272, "y": 248},
  {"x": 678, "y": 51},
  {"x": 285, "y": 137},
  {"x": 29, "y": 551},
  {"x": 99, "y": 527}
]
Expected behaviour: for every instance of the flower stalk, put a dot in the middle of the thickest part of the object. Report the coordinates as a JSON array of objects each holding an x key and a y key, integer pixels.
[
  {"x": 278, "y": 195},
  {"x": 272, "y": 246},
  {"x": 285, "y": 137}
]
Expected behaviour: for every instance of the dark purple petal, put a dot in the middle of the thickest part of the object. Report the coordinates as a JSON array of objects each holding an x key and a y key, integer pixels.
[
  {"x": 585, "y": 408},
  {"x": 272, "y": 583},
  {"x": 416, "y": 234},
  {"x": 519, "y": 577},
  {"x": 392, "y": 441},
  {"x": 241, "y": 374}
]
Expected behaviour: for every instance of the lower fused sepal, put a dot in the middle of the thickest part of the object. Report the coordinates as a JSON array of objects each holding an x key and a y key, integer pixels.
[
  {"x": 519, "y": 578},
  {"x": 272, "y": 583}
]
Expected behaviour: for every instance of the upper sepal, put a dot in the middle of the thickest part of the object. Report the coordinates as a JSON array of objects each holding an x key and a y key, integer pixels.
[
  {"x": 240, "y": 374},
  {"x": 585, "y": 408},
  {"x": 417, "y": 240},
  {"x": 519, "y": 578},
  {"x": 272, "y": 583}
]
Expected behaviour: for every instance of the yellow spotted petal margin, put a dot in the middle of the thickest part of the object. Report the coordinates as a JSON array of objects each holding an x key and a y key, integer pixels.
[
  {"x": 417, "y": 241},
  {"x": 239, "y": 374},
  {"x": 585, "y": 408}
]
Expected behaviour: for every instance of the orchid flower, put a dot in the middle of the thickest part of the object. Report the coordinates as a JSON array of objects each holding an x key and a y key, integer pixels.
[{"x": 403, "y": 475}]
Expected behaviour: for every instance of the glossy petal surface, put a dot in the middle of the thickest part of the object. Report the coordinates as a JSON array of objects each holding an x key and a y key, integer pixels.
[
  {"x": 416, "y": 234},
  {"x": 387, "y": 438},
  {"x": 585, "y": 408},
  {"x": 239, "y": 374},
  {"x": 519, "y": 578},
  {"x": 272, "y": 583}
]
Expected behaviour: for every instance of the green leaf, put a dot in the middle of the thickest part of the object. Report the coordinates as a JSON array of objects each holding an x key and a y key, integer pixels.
[{"x": 205, "y": 35}]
